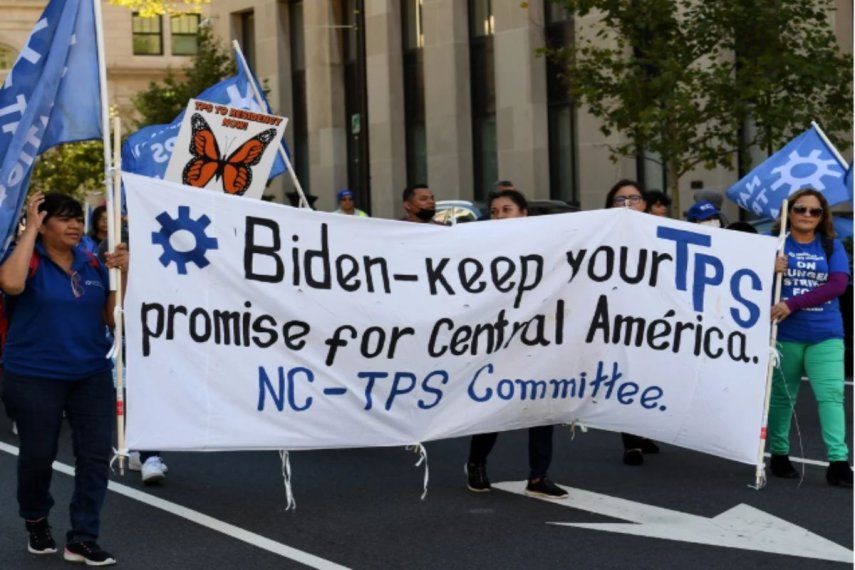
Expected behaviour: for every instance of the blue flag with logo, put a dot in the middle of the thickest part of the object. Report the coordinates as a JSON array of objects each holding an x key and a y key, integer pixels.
[
  {"x": 806, "y": 162},
  {"x": 51, "y": 96},
  {"x": 148, "y": 151}
]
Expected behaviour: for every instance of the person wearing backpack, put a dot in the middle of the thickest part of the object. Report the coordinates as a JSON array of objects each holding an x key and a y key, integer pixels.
[
  {"x": 58, "y": 302},
  {"x": 810, "y": 334}
]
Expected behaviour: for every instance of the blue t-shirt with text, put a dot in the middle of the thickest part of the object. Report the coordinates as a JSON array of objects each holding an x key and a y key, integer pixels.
[
  {"x": 56, "y": 328},
  {"x": 807, "y": 269}
]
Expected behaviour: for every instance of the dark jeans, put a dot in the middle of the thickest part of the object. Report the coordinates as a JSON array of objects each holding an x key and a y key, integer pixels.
[
  {"x": 37, "y": 405},
  {"x": 631, "y": 441},
  {"x": 539, "y": 449}
]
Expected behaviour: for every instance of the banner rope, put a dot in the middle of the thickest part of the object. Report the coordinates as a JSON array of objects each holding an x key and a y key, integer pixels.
[
  {"x": 285, "y": 456},
  {"x": 423, "y": 458},
  {"x": 795, "y": 416},
  {"x": 115, "y": 457}
]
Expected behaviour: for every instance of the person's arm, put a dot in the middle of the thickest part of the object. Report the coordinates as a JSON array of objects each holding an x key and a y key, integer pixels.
[
  {"x": 831, "y": 289},
  {"x": 15, "y": 270}
]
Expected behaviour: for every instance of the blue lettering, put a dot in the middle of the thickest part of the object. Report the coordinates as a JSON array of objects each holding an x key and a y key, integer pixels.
[
  {"x": 683, "y": 239},
  {"x": 505, "y": 394},
  {"x": 702, "y": 279},
  {"x": 277, "y": 395},
  {"x": 291, "y": 374},
  {"x": 370, "y": 386},
  {"x": 431, "y": 390},
  {"x": 396, "y": 390},
  {"x": 753, "y": 309},
  {"x": 649, "y": 398},
  {"x": 488, "y": 392}
]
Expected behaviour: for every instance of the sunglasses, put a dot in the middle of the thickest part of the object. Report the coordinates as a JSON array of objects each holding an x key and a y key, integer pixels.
[
  {"x": 76, "y": 285},
  {"x": 803, "y": 210}
]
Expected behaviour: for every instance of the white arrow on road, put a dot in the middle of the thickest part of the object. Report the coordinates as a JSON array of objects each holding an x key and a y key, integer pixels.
[{"x": 741, "y": 527}]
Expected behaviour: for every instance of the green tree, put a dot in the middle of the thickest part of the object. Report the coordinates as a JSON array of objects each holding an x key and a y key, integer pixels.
[
  {"x": 682, "y": 78},
  {"x": 74, "y": 168},
  {"x": 148, "y": 8},
  {"x": 162, "y": 102}
]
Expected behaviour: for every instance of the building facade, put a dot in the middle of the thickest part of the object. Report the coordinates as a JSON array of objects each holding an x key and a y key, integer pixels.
[{"x": 138, "y": 50}]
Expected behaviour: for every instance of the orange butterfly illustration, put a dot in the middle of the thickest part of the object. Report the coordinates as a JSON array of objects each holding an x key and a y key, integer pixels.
[{"x": 207, "y": 162}]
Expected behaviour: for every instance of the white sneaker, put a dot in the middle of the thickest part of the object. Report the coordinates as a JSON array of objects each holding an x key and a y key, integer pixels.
[
  {"x": 153, "y": 471},
  {"x": 134, "y": 463}
]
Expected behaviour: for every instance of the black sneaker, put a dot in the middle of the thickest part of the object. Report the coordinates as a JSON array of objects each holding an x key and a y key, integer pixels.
[
  {"x": 649, "y": 447},
  {"x": 545, "y": 488},
  {"x": 88, "y": 552},
  {"x": 41, "y": 541},
  {"x": 839, "y": 474},
  {"x": 476, "y": 474},
  {"x": 633, "y": 457},
  {"x": 780, "y": 466}
]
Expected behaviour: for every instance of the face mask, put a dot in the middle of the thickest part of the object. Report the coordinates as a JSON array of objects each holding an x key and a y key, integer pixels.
[
  {"x": 715, "y": 223},
  {"x": 425, "y": 215}
]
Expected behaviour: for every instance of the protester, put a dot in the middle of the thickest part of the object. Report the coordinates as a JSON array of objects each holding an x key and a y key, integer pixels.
[
  {"x": 705, "y": 213},
  {"x": 658, "y": 203},
  {"x": 58, "y": 302},
  {"x": 347, "y": 204},
  {"x": 97, "y": 230},
  {"x": 500, "y": 185},
  {"x": 742, "y": 227},
  {"x": 628, "y": 194},
  {"x": 419, "y": 204},
  {"x": 810, "y": 334},
  {"x": 503, "y": 205}
]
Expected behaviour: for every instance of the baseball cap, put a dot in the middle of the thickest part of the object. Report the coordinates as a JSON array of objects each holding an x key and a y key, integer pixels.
[
  {"x": 700, "y": 211},
  {"x": 344, "y": 193}
]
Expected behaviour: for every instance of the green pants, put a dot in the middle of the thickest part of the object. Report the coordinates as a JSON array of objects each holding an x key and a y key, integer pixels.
[{"x": 823, "y": 364}]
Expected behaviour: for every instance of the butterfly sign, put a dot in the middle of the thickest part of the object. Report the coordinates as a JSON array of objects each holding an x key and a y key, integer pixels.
[{"x": 225, "y": 149}]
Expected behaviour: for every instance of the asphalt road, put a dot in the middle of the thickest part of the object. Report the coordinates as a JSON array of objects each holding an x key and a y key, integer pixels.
[{"x": 361, "y": 509}]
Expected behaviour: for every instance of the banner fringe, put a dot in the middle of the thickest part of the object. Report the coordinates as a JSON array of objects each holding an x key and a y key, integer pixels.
[{"x": 285, "y": 456}]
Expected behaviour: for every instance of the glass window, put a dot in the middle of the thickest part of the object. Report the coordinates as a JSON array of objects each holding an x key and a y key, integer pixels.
[
  {"x": 246, "y": 22},
  {"x": 7, "y": 57},
  {"x": 414, "y": 92},
  {"x": 185, "y": 34},
  {"x": 147, "y": 35},
  {"x": 482, "y": 86},
  {"x": 298, "y": 91},
  {"x": 561, "y": 112},
  {"x": 356, "y": 101}
]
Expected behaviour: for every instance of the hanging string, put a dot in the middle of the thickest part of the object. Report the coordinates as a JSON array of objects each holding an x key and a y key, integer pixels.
[
  {"x": 582, "y": 427},
  {"x": 286, "y": 476},
  {"x": 420, "y": 449},
  {"x": 115, "y": 457},
  {"x": 792, "y": 399}
]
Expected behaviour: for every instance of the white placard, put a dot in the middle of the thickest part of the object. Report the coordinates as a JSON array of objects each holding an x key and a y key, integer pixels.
[
  {"x": 226, "y": 149},
  {"x": 257, "y": 326}
]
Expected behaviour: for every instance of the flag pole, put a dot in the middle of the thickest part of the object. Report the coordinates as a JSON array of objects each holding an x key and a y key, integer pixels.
[
  {"x": 827, "y": 142},
  {"x": 759, "y": 471},
  {"x": 118, "y": 314},
  {"x": 256, "y": 93},
  {"x": 112, "y": 230}
]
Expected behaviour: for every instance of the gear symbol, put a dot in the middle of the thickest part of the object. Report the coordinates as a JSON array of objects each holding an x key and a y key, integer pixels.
[
  {"x": 819, "y": 167},
  {"x": 202, "y": 243}
]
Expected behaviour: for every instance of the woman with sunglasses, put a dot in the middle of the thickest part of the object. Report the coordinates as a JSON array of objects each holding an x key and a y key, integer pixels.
[
  {"x": 810, "y": 334},
  {"x": 628, "y": 194},
  {"x": 58, "y": 302}
]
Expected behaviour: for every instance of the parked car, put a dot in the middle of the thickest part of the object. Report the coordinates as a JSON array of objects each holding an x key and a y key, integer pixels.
[{"x": 449, "y": 212}]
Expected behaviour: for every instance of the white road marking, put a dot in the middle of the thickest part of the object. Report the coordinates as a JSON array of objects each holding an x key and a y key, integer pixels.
[
  {"x": 204, "y": 520},
  {"x": 742, "y": 527}
]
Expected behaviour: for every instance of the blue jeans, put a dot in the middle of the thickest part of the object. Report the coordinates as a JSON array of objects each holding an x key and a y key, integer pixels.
[{"x": 37, "y": 405}]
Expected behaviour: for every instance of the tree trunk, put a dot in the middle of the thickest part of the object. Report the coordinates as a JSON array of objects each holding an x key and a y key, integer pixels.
[{"x": 674, "y": 189}]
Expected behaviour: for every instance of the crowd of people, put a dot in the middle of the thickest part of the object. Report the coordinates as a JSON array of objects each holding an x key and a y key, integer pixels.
[{"x": 59, "y": 309}]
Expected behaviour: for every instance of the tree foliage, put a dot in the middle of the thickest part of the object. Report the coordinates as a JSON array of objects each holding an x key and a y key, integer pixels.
[
  {"x": 148, "y": 8},
  {"x": 162, "y": 102},
  {"x": 682, "y": 78},
  {"x": 74, "y": 168}
]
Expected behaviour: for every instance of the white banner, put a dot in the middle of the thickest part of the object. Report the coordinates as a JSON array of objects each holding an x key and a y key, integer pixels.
[{"x": 258, "y": 326}]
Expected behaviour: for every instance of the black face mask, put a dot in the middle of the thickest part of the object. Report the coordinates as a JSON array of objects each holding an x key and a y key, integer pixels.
[{"x": 425, "y": 215}]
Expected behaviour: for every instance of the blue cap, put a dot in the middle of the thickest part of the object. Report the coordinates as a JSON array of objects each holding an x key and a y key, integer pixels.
[
  {"x": 345, "y": 193},
  {"x": 700, "y": 211}
]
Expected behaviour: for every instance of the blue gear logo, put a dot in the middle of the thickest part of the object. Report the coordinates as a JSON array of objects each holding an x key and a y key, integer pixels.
[{"x": 196, "y": 254}]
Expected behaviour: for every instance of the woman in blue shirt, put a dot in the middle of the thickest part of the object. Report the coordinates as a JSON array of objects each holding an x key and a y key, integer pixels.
[
  {"x": 810, "y": 334},
  {"x": 58, "y": 302}
]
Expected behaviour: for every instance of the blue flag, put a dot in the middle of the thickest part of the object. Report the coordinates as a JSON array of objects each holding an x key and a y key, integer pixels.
[
  {"x": 806, "y": 162},
  {"x": 51, "y": 96},
  {"x": 148, "y": 150}
]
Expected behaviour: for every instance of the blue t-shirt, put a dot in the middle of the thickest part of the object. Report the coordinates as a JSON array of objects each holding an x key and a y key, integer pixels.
[
  {"x": 807, "y": 269},
  {"x": 56, "y": 328}
]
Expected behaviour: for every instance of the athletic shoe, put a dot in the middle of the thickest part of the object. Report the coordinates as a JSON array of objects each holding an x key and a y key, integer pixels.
[
  {"x": 88, "y": 552},
  {"x": 153, "y": 470},
  {"x": 41, "y": 541},
  {"x": 134, "y": 463},
  {"x": 476, "y": 474},
  {"x": 839, "y": 474},
  {"x": 780, "y": 466},
  {"x": 545, "y": 488},
  {"x": 633, "y": 457}
]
